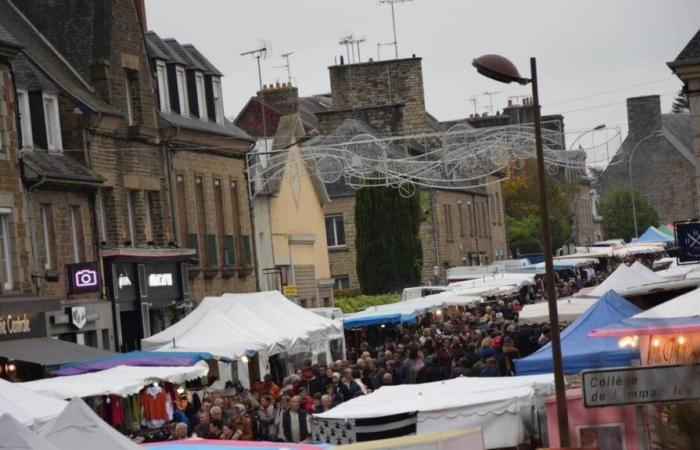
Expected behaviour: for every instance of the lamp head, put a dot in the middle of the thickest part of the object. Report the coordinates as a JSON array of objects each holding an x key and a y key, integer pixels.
[{"x": 498, "y": 68}]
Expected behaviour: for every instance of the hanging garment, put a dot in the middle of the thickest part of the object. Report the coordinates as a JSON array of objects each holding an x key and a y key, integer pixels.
[{"x": 156, "y": 407}]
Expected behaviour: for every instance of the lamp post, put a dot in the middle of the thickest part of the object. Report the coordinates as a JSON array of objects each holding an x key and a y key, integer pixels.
[
  {"x": 634, "y": 205},
  {"x": 501, "y": 69},
  {"x": 596, "y": 128}
]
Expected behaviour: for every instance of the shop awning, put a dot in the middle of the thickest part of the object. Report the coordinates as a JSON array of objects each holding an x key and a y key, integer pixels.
[{"x": 48, "y": 352}]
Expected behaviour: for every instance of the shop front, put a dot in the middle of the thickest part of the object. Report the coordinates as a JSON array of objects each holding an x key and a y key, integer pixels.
[{"x": 148, "y": 289}]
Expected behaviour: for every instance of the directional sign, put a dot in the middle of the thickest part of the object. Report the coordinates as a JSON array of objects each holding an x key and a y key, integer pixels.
[{"x": 637, "y": 385}]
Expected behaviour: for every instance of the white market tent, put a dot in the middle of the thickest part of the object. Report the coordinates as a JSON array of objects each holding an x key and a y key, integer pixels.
[
  {"x": 646, "y": 273},
  {"x": 398, "y": 312},
  {"x": 120, "y": 380},
  {"x": 78, "y": 427},
  {"x": 622, "y": 278},
  {"x": 26, "y": 406},
  {"x": 499, "y": 284},
  {"x": 500, "y": 406},
  {"x": 16, "y": 436},
  {"x": 449, "y": 298},
  {"x": 637, "y": 249},
  {"x": 568, "y": 309}
]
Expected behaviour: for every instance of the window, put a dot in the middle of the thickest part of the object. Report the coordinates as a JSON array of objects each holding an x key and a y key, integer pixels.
[
  {"x": 335, "y": 231},
  {"x": 101, "y": 217},
  {"x": 460, "y": 213},
  {"x": 181, "y": 189},
  {"x": 163, "y": 93},
  {"x": 341, "y": 282},
  {"x": 201, "y": 96},
  {"x": 76, "y": 232},
  {"x": 130, "y": 211},
  {"x": 148, "y": 209},
  {"x": 25, "y": 118},
  {"x": 499, "y": 209},
  {"x": 201, "y": 217},
  {"x": 448, "y": 222},
  {"x": 218, "y": 100},
  {"x": 131, "y": 93},
  {"x": 220, "y": 219},
  {"x": 47, "y": 234},
  {"x": 53, "y": 123},
  {"x": 5, "y": 254},
  {"x": 182, "y": 91}
]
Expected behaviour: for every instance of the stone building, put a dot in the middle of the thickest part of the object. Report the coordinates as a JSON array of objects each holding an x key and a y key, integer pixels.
[
  {"x": 686, "y": 66},
  {"x": 662, "y": 166}
]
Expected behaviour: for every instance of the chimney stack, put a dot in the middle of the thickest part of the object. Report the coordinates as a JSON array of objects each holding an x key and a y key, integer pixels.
[
  {"x": 141, "y": 12},
  {"x": 644, "y": 115}
]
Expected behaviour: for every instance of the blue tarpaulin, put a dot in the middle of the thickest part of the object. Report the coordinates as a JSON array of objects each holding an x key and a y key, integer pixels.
[
  {"x": 653, "y": 234},
  {"x": 580, "y": 351},
  {"x": 377, "y": 319},
  {"x": 165, "y": 359}
]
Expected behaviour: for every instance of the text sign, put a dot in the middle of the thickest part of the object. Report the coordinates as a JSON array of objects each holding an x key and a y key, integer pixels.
[
  {"x": 688, "y": 240},
  {"x": 21, "y": 325},
  {"x": 637, "y": 385},
  {"x": 290, "y": 291},
  {"x": 84, "y": 278}
]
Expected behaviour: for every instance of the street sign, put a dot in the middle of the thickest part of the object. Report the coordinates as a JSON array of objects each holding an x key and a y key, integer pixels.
[
  {"x": 688, "y": 240},
  {"x": 290, "y": 291},
  {"x": 638, "y": 385}
]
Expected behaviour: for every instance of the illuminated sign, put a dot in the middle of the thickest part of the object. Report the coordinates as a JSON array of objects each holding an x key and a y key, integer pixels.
[
  {"x": 124, "y": 281},
  {"x": 84, "y": 278},
  {"x": 13, "y": 324},
  {"x": 688, "y": 239},
  {"x": 160, "y": 279}
]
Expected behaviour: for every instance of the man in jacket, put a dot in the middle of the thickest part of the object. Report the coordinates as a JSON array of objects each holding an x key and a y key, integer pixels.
[{"x": 295, "y": 423}]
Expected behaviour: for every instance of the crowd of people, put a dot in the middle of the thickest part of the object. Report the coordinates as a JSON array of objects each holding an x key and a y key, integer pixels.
[{"x": 478, "y": 341}]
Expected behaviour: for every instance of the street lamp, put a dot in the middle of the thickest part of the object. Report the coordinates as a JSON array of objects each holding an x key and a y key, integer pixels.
[
  {"x": 596, "y": 128},
  {"x": 501, "y": 69},
  {"x": 634, "y": 205}
]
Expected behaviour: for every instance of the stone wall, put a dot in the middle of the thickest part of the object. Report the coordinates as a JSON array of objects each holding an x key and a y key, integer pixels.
[{"x": 342, "y": 258}]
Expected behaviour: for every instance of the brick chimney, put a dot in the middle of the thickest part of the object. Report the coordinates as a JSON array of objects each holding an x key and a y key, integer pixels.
[
  {"x": 282, "y": 97},
  {"x": 141, "y": 11},
  {"x": 643, "y": 115}
]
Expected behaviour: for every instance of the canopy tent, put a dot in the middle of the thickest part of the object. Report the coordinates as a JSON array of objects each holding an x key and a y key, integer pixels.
[
  {"x": 26, "y": 406},
  {"x": 638, "y": 249},
  {"x": 120, "y": 380},
  {"x": 580, "y": 352},
  {"x": 499, "y": 284},
  {"x": 266, "y": 319},
  {"x": 79, "y": 427},
  {"x": 668, "y": 230},
  {"x": 622, "y": 278},
  {"x": 569, "y": 309},
  {"x": 450, "y": 299},
  {"x": 495, "y": 404},
  {"x": 48, "y": 352},
  {"x": 653, "y": 235},
  {"x": 399, "y": 312},
  {"x": 678, "y": 315},
  {"x": 142, "y": 359},
  {"x": 16, "y": 436},
  {"x": 646, "y": 273}
]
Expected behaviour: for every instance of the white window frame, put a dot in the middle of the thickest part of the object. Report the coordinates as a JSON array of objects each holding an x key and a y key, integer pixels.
[
  {"x": 337, "y": 285},
  {"x": 334, "y": 218},
  {"x": 201, "y": 96},
  {"x": 149, "y": 222},
  {"x": 25, "y": 118},
  {"x": 52, "y": 122},
  {"x": 74, "y": 234},
  {"x": 101, "y": 217},
  {"x": 5, "y": 250},
  {"x": 181, "y": 77},
  {"x": 127, "y": 94},
  {"x": 163, "y": 91},
  {"x": 44, "y": 215},
  {"x": 218, "y": 100},
  {"x": 130, "y": 216}
]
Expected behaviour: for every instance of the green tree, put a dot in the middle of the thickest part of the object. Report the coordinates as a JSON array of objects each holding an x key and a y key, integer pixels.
[
  {"x": 680, "y": 103},
  {"x": 522, "y": 205},
  {"x": 389, "y": 252},
  {"x": 616, "y": 209}
]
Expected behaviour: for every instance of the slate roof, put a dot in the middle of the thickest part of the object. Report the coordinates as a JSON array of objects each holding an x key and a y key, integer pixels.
[
  {"x": 690, "y": 53},
  {"x": 41, "y": 53},
  {"x": 309, "y": 106},
  {"x": 210, "y": 69},
  {"x": 681, "y": 125},
  {"x": 208, "y": 126},
  {"x": 7, "y": 39},
  {"x": 58, "y": 166},
  {"x": 433, "y": 123}
]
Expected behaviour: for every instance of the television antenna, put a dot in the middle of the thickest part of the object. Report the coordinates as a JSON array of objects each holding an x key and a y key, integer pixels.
[
  {"x": 357, "y": 42},
  {"x": 286, "y": 65},
  {"x": 474, "y": 101},
  {"x": 262, "y": 52},
  {"x": 347, "y": 42},
  {"x": 379, "y": 48},
  {"x": 393, "y": 22},
  {"x": 490, "y": 96}
]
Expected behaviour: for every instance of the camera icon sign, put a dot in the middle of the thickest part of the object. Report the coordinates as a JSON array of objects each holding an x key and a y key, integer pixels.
[{"x": 85, "y": 278}]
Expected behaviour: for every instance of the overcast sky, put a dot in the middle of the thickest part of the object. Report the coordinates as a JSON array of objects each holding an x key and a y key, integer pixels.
[{"x": 584, "y": 47}]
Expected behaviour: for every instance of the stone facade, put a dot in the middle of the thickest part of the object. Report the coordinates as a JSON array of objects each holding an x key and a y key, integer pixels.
[
  {"x": 672, "y": 194},
  {"x": 342, "y": 258}
]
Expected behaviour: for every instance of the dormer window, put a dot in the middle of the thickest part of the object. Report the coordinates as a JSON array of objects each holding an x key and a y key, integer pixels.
[
  {"x": 218, "y": 101},
  {"x": 53, "y": 123},
  {"x": 25, "y": 118},
  {"x": 201, "y": 96},
  {"x": 162, "y": 79},
  {"x": 181, "y": 79}
]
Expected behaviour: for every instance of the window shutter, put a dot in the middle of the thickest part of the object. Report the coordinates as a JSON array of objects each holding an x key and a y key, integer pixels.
[
  {"x": 172, "y": 85},
  {"x": 192, "y": 93},
  {"x": 36, "y": 108},
  {"x": 209, "y": 88}
]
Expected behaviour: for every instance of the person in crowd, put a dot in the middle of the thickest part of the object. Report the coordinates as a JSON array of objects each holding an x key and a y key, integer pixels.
[
  {"x": 266, "y": 416},
  {"x": 295, "y": 425},
  {"x": 215, "y": 428},
  {"x": 201, "y": 430},
  {"x": 268, "y": 387},
  {"x": 180, "y": 431}
]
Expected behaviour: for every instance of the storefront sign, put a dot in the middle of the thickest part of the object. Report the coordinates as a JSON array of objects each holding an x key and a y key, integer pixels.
[
  {"x": 160, "y": 279},
  {"x": 290, "y": 291},
  {"x": 688, "y": 239},
  {"x": 84, "y": 278},
  {"x": 667, "y": 349},
  {"x": 21, "y": 325},
  {"x": 163, "y": 281},
  {"x": 637, "y": 385}
]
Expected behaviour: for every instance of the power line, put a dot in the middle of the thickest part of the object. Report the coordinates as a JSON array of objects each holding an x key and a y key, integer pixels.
[
  {"x": 610, "y": 91},
  {"x": 607, "y": 104}
]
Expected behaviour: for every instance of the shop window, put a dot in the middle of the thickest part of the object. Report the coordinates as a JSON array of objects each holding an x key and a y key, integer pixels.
[
  {"x": 6, "y": 269},
  {"x": 25, "y": 118},
  {"x": 76, "y": 231},
  {"x": 335, "y": 231},
  {"x": 341, "y": 282}
]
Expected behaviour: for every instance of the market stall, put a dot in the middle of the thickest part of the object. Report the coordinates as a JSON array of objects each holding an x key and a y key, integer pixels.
[
  {"x": 26, "y": 406},
  {"x": 500, "y": 406},
  {"x": 569, "y": 309},
  {"x": 16, "y": 436},
  {"x": 654, "y": 235},
  {"x": 141, "y": 359},
  {"x": 580, "y": 352}
]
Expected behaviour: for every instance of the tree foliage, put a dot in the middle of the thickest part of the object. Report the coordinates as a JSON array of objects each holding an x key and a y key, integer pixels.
[
  {"x": 389, "y": 253},
  {"x": 616, "y": 209},
  {"x": 522, "y": 205},
  {"x": 353, "y": 304},
  {"x": 680, "y": 103}
]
